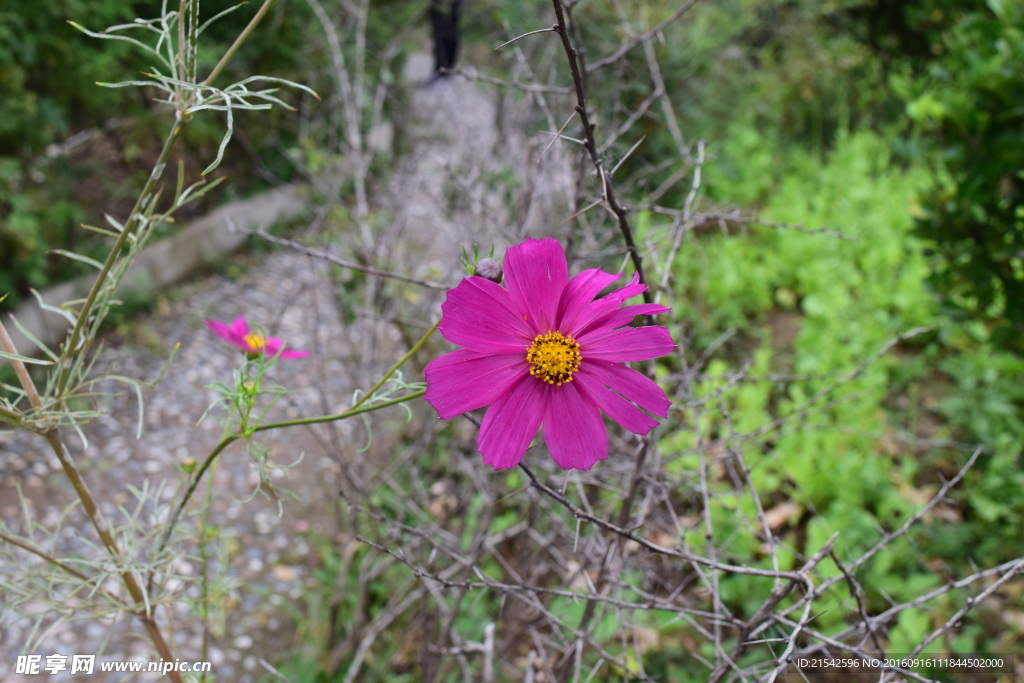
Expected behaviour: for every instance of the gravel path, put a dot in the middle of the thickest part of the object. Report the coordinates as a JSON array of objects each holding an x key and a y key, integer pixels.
[{"x": 464, "y": 182}]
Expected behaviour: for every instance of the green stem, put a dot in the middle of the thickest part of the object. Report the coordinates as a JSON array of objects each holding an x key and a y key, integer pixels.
[
  {"x": 394, "y": 368},
  {"x": 10, "y": 417},
  {"x": 193, "y": 38},
  {"x": 351, "y": 412},
  {"x": 78, "y": 335},
  {"x": 182, "y": 72},
  {"x": 231, "y": 438},
  {"x": 238, "y": 42},
  {"x": 204, "y": 559}
]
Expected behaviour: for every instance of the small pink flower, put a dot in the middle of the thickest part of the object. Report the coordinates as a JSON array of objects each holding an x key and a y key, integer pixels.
[
  {"x": 251, "y": 342},
  {"x": 544, "y": 352}
]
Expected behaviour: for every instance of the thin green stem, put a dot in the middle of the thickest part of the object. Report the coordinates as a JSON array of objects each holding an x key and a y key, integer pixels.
[
  {"x": 193, "y": 39},
  {"x": 394, "y": 368},
  {"x": 10, "y": 417},
  {"x": 78, "y": 335},
  {"x": 207, "y": 463},
  {"x": 204, "y": 559},
  {"x": 351, "y": 412},
  {"x": 182, "y": 74},
  {"x": 231, "y": 438},
  {"x": 248, "y": 400},
  {"x": 133, "y": 219},
  {"x": 238, "y": 42}
]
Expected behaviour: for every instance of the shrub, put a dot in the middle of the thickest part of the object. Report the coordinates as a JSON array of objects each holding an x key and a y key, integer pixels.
[{"x": 968, "y": 111}]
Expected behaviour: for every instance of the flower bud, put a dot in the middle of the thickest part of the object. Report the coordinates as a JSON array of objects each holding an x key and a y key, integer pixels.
[
  {"x": 188, "y": 465},
  {"x": 489, "y": 269}
]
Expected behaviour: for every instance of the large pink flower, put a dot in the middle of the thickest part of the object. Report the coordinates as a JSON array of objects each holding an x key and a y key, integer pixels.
[
  {"x": 252, "y": 342},
  {"x": 545, "y": 352}
]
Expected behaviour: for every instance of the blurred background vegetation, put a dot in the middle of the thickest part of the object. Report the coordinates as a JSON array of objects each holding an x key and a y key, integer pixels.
[{"x": 899, "y": 124}]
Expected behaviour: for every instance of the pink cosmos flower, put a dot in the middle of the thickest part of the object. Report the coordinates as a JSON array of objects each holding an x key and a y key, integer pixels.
[
  {"x": 252, "y": 342},
  {"x": 544, "y": 352}
]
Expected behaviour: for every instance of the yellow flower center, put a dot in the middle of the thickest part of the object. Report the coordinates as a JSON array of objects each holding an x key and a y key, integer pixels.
[
  {"x": 554, "y": 358},
  {"x": 255, "y": 341}
]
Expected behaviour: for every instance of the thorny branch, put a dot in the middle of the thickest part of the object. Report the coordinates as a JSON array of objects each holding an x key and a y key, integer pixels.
[{"x": 607, "y": 191}]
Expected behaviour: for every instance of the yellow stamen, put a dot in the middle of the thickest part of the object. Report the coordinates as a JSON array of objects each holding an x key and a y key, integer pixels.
[
  {"x": 554, "y": 358},
  {"x": 255, "y": 341}
]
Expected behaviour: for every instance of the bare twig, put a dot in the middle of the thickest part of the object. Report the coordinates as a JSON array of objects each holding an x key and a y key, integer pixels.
[
  {"x": 642, "y": 38},
  {"x": 331, "y": 258}
]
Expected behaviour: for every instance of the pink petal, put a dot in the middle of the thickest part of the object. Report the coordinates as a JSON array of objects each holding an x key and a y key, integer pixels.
[
  {"x": 573, "y": 429},
  {"x": 479, "y": 315},
  {"x": 239, "y": 328},
  {"x": 600, "y": 311},
  {"x": 465, "y": 380},
  {"x": 272, "y": 345},
  {"x": 625, "y": 315},
  {"x": 511, "y": 423},
  {"x": 634, "y": 288},
  {"x": 630, "y": 384},
  {"x": 224, "y": 331},
  {"x": 578, "y": 296},
  {"x": 626, "y": 344},
  {"x": 220, "y": 329},
  {"x": 536, "y": 274},
  {"x": 624, "y": 412}
]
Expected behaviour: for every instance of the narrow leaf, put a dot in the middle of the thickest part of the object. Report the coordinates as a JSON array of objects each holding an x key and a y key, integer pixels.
[
  {"x": 33, "y": 338},
  {"x": 78, "y": 257},
  {"x": 24, "y": 359},
  {"x": 53, "y": 309}
]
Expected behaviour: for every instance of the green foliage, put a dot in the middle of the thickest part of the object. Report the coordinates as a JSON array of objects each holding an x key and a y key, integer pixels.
[
  {"x": 47, "y": 76},
  {"x": 48, "y": 92},
  {"x": 820, "y": 306},
  {"x": 895, "y": 32},
  {"x": 874, "y": 277},
  {"x": 969, "y": 113},
  {"x": 987, "y": 404}
]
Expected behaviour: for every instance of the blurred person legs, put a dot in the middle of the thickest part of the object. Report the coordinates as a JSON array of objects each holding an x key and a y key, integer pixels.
[{"x": 444, "y": 22}]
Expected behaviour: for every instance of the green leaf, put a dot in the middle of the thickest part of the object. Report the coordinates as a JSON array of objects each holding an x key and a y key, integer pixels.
[
  {"x": 24, "y": 359},
  {"x": 998, "y": 8}
]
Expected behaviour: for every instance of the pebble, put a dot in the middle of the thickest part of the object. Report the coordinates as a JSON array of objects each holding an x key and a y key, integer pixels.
[{"x": 283, "y": 573}]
